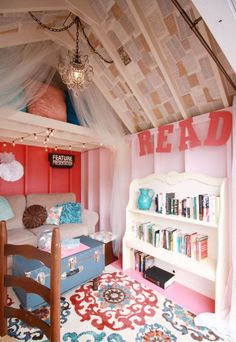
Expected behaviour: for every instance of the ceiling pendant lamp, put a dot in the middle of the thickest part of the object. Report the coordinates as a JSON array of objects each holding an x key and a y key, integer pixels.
[{"x": 75, "y": 70}]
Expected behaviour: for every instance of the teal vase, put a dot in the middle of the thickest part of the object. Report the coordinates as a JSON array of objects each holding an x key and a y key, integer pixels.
[{"x": 145, "y": 198}]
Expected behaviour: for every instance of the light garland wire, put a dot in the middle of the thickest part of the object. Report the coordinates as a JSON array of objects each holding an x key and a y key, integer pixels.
[{"x": 48, "y": 133}]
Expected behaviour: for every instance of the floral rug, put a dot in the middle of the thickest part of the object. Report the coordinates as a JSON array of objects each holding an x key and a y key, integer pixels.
[{"x": 121, "y": 310}]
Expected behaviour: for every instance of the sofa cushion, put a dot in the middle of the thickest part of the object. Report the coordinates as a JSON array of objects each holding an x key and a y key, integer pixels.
[
  {"x": 71, "y": 213},
  {"x": 17, "y": 203},
  {"x": 53, "y": 215},
  {"x": 49, "y": 200},
  {"x": 6, "y": 212},
  {"x": 22, "y": 236},
  {"x": 34, "y": 216}
]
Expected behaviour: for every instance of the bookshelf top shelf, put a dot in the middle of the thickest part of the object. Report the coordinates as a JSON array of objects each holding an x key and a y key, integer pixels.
[
  {"x": 205, "y": 268},
  {"x": 176, "y": 218}
]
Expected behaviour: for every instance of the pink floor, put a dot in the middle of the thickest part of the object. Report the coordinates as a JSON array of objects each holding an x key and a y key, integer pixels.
[{"x": 187, "y": 298}]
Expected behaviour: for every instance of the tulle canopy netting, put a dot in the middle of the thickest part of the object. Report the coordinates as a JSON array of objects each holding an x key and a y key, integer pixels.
[{"x": 23, "y": 70}]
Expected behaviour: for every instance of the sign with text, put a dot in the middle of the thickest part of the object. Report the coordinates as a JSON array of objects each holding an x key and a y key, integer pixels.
[
  {"x": 61, "y": 160},
  {"x": 219, "y": 130}
]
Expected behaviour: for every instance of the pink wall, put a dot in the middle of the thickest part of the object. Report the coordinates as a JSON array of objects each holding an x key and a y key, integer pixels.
[{"x": 39, "y": 177}]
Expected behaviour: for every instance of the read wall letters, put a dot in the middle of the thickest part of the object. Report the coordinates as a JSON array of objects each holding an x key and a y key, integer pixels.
[{"x": 219, "y": 130}]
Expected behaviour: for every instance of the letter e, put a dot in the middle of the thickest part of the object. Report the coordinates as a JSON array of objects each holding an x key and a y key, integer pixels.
[{"x": 163, "y": 132}]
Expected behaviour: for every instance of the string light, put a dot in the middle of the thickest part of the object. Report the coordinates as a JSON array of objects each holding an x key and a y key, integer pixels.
[{"x": 46, "y": 134}]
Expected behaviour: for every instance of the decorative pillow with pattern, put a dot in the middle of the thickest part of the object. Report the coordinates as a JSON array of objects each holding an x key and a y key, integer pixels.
[
  {"x": 34, "y": 216},
  {"x": 54, "y": 214},
  {"x": 71, "y": 213},
  {"x": 6, "y": 212}
]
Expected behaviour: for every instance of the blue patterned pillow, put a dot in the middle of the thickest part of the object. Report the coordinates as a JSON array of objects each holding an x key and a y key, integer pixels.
[
  {"x": 6, "y": 212},
  {"x": 71, "y": 213}
]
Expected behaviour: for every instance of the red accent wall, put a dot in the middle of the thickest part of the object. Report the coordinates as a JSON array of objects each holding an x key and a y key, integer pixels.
[{"x": 39, "y": 177}]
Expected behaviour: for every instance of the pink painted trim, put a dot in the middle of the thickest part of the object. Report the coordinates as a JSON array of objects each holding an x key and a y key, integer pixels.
[{"x": 181, "y": 295}]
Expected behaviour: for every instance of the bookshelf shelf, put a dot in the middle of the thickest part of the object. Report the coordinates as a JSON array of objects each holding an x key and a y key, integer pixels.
[
  {"x": 204, "y": 268},
  {"x": 207, "y": 276},
  {"x": 176, "y": 218}
]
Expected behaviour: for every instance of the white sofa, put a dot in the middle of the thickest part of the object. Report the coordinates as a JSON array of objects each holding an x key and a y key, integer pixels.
[{"x": 18, "y": 234}]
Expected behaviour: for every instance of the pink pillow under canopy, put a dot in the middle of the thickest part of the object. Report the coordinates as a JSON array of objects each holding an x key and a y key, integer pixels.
[{"x": 51, "y": 104}]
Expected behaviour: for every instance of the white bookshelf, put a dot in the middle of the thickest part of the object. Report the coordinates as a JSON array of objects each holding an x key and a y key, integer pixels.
[{"x": 208, "y": 276}]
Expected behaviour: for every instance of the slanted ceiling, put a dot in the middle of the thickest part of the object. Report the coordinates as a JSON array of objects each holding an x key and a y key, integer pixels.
[{"x": 161, "y": 72}]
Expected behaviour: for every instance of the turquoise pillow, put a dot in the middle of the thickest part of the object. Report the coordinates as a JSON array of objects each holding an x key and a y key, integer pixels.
[
  {"x": 6, "y": 212},
  {"x": 71, "y": 212}
]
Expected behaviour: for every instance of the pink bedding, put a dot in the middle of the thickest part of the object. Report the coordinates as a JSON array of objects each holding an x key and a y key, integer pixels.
[{"x": 51, "y": 104}]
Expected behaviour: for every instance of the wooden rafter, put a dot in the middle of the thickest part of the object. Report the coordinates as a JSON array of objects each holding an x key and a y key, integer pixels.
[
  {"x": 22, "y": 37},
  {"x": 14, "y": 6}
]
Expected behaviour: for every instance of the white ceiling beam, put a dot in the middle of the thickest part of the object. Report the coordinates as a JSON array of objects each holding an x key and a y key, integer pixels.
[
  {"x": 156, "y": 51},
  {"x": 14, "y": 6},
  {"x": 40, "y": 121},
  {"x": 124, "y": 118},
  {"x": 83, "y": 10},
  {"x": 61, "y": 38},
  {"x": 22, "y": 37},
  {"x": 19, "y": 130}
]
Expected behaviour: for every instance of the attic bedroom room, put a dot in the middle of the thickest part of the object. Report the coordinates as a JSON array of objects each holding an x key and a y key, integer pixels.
[{"x": 117, "y": 170}]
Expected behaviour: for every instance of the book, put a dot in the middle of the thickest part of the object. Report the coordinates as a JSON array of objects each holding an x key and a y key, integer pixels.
[
  {"x": 201, "y": 247},
  {"x": 200, "y": 207},
  {"x": 148, "y": 262},
  {"x": 205, "y": 208},
  {"x": 159, "y": 276},
  {"x": 169, "y": 196}
]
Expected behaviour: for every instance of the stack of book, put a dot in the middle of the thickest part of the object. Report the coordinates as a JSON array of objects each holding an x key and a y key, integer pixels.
[
  {"x": 172, "y": 239},
  {"x": 159, "y": 277},
  {"x": 142, "y": 261},
  {"x": 201, "y": 207}
]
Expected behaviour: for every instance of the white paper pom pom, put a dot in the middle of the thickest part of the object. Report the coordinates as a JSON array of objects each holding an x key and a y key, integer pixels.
[{"x": 11, "y": 172}]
